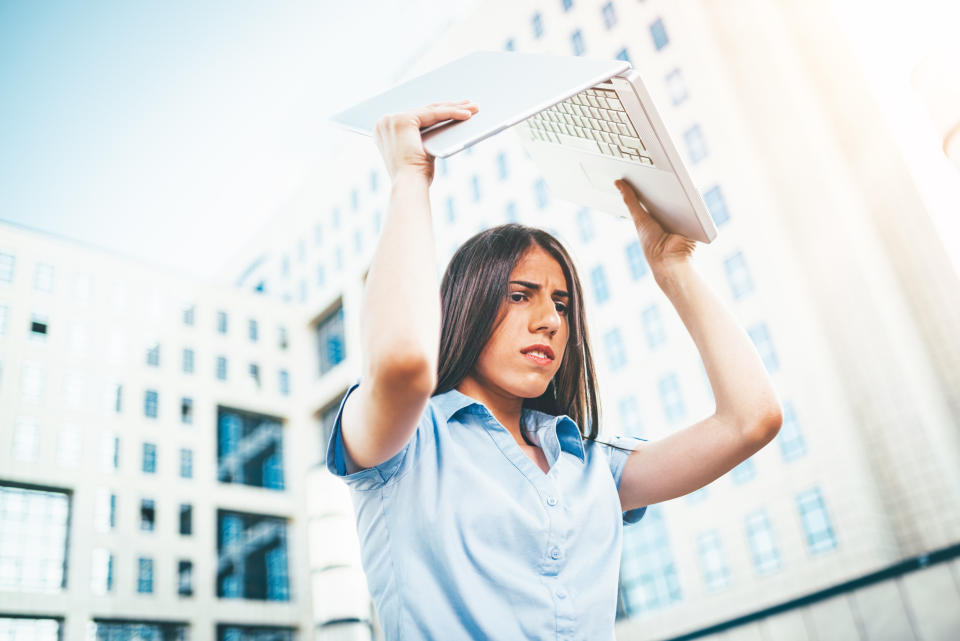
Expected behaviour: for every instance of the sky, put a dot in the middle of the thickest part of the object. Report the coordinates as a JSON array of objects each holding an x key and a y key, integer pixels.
[{"x": 173, "y": 131}]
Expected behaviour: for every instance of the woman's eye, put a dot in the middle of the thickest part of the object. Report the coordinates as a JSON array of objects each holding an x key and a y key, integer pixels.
[
  {"x": 561, "y": 308},
  {"x": 516, "y": 294}
]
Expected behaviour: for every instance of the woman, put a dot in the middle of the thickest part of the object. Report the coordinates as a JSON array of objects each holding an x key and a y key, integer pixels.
[{"x": 485, "y": 505}]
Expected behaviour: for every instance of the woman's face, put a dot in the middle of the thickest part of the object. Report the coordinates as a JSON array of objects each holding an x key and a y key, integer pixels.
[{"x": 534, "y": 311}]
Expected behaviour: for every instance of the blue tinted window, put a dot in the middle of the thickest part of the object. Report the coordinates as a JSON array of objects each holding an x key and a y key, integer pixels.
[
  {"x": 475, "y": 184},
  {"x": 145, "y": 575},
  {"x": 743, "y": 472},
  {"x": 585, "y": 224},
  {"x": 321, "y": 275},
  {"x": 153, "y": 355},
  {"x": 671, "y": 398},
  {"x": 258, "y": 568},
  {"x": 648, "y": 572},
  {"x": 443, "y": 166},
  {"x": 653, "y": 326},
  {"x": 222, "y": 322},
  {"x": 576, "y": 41},
  {"x": 816, "y": 522},
  {"x": 335, "y": 217},
  {"x": 511, "y": 212},
  {"x": 624, "y": 55},
  {"x": 609, "y": 15},
  {"x": 659, "y": 33},
  {"x": 541, "y": 191},
  {"x": 566, "y": 4},
  {"x": 253, "y": 330},
  {"x": 355, "y": 199},
  {"x": 338, "y": 258},
  {"x": 150, "y": 404},
  {"x": 318, "y": 233},
  {"x": 696, "y": 145},
  {"x": 599, "y": 279},
  {"x": 149, "y": 458},
  {"x": 6, "y": 267},
  {"x": 451, "y": 210},
  {"x": 676, "y": 87},
  {"x": 508, "y": 45},
  {"x": 284, "y": 382},
  {"x": 631, "y": 423},
  {"x": 716, "y": 205},
  {"x": 186, "y": 463},
  {"x": 636, "y": 260},
  {"x": 537, "y": 24},
  {"x": 738, "y": 276},
  {"x": 763, "y": 544},
  {"x": 712, "y": 562},
  {"x": 221, "y": 368},
  {"x": 373, "y": 180},
  {"x": 502, "y": 166},
  {"x": 377, "y": 215},
  {"x": 760, "y": 336},
  {"x": 792, "y": 444},
  {"x": 357, "y": 241},
  {"x": 249, "y": 449},
  {"x": 613, "y": 343},
  {"x": 331, "y": 341}
]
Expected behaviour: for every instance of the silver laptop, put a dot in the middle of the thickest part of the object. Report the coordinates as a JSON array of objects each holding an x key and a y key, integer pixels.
[{"x": 585, "y": 123}]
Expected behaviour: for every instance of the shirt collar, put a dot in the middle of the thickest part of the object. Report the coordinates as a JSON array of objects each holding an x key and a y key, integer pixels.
[{"x": 568, "y": 433}]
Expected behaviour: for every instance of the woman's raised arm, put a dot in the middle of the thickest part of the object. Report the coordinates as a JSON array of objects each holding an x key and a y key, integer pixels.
[{"x": 400, "y": 320}]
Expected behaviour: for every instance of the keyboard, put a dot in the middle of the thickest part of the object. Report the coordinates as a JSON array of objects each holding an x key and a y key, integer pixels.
[{"x": 592, "y": 120}]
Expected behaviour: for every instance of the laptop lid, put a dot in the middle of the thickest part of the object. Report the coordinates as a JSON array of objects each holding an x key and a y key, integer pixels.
[{"x": 508, "y": 87}]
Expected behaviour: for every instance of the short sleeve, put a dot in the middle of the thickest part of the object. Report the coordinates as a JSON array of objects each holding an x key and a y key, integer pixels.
[
  {"x": 341, "y": 465},
  {"x": 617, "y": 459}
]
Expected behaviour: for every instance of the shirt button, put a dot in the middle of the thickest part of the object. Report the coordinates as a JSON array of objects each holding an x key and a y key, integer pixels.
[
  {"x": 561, "y": 594},
  {"x": 551, "y": 500},
  {"x": 555, "y": 553}
]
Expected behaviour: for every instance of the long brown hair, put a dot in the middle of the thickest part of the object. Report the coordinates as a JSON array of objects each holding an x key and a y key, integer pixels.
[{"x": 471, "y": 295}]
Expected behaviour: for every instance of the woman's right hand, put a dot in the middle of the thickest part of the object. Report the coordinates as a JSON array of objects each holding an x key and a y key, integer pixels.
[{"x": 398, "y": 136}]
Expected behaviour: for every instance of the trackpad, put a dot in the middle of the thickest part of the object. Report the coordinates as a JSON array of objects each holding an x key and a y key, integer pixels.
[{"x": 602, "y": 178}]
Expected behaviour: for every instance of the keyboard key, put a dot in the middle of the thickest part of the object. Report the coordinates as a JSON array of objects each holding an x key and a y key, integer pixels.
[
  {"x": 629, "y": 141},
  {"x": 579, "y": 143}
]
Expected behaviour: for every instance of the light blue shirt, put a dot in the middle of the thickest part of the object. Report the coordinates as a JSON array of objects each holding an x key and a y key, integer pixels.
[{"x": 463, "y": 536}]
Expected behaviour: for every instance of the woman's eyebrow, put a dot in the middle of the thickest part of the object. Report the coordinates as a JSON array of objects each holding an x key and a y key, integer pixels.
[{"x": 536, "y": 287}]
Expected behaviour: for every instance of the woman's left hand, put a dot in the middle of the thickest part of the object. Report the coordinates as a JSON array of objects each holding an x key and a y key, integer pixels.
[{"x": 660, "y": 248}]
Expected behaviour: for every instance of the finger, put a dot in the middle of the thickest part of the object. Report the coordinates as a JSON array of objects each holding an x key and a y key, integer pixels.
[
  {"x": 427, "y": 117},
  {"x": 629, "y": 194}
]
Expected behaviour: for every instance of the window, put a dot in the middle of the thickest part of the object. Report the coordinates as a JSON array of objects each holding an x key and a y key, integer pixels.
[
  {"x": 540, "y": 188},
  {"x": 149, "y": 458},
  {"x": 599, "y": 280},
  {"x": 511, "y": 212},
  {"x": 670, "y": 398},
  {"x": 377, "y": 215},
  {"x": 738, "y": 276},
  {"x": 766, "y": 556},
  {"x": 676, "y": 87},
  {"x": 355, "y": 199},
  {"x": 712, "y": 564},
  {"x": 760, "y": 336},
  {"x": 184, "y": 578},
  {"x": 636, "y": 260},
  {"x": 648, "y": 572},
  {"x": 145, "y": 575},
  {"x": 101, "y": 572},
  {"x": 585, "y": 225},
  {"x": 284, "y": 382},
  {"x": 253, "y": 330},
  {"x": 358, "y": 241},
  {"x": 189, "y": 315},
  {"x": 537, "y": 24},
  {"x": 816, "y": 523},
  {"x": 4, "y": 312},
  {"x": 187, "y": 361},
  {"x": 613, "y": 343},
  {"x": 696, "y": 145},
  {"x": 335, "y": 217},
  {"x": 321, "y": 275},
  {"x": 33, "y": 539},
  {"x": 222, "y": 368},
  {"x": 38, "y": 327},
  {"x": 301, "y": 250},
  {"x": 475, "y": 187},
  {"x": 123, "y": 630},
  {"x": 186, "y": 463},
  {"x": 744, "y": 472},
  {"x": 105, "y": 511},
  {"x": 717, "y": 206},
  {"x": 147, "y": 515},
  {"x": 249, "y": 449},
  {"x": 792, "y": 444},
  {"x": 630, "y": 422},
  {"x": 318, "y": 234},
  {"x": 254, "y": 633},
  {"x": 609, "y": 15},
  {"x": 25, "y": 440},
  {"x": 653, "y": 326},
  {"x": 32, "y": 378},
  {"x": 257, "y": 569},
  {"x": 566, "y": 4},
  {"x": 153, "y": 355},
  {"x": 150, "y": 402},
  {"x": 186, "y": 519},
  {"x": 282, "y": 337},
  {"x": 255, "y": 374},
  {"x": 284, "y": 266},
  {"x": 222, "y": 322},
  {"x": 331, "y": 341},
  {"x": 6, "y": 267},
  {"x": 576, "y": 43},
  {"x": 110, "y": 452},
  {"x": 502, "y": 172},
  {"x": 113, "y": 398},
  {"x": 624, "y": 55},
  {"x": 509, "y": 45},
  {"x": 186, "y": 410},
  {"x": 43, "y": 278},
  {"x": 338, "y": 258},
  {"x": 373, "y": 181},
  {"x": 659, "y": 34}
]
